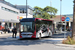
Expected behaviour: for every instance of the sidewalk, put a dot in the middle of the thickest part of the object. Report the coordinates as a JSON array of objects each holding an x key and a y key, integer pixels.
[
  {"x": 5, "y": 34},
  {"x": 10, "y": 36},
  {"x": 65, "y": 45},
  {"x": 59, "y": 32}
]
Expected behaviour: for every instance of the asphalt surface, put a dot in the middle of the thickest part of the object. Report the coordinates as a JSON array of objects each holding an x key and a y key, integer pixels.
[
  {"x": 62, "y": 34},
  {"x": 46, "y": 43}
]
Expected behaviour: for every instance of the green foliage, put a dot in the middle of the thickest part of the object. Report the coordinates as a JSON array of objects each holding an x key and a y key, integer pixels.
[
  {"x": 45, "y": 13},
  {"x": 69, "y": 40}
]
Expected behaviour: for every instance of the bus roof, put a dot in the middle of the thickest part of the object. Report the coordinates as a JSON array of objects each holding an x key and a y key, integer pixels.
[{"x": 33, "y": 19}]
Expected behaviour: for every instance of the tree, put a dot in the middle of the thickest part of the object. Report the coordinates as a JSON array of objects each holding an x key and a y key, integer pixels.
[
  {"x": 38, "y": 12},
  {"x": 52, "y": 11},
  {"x": 45, "y": 13},
  {"x": 73, "y": 28}
]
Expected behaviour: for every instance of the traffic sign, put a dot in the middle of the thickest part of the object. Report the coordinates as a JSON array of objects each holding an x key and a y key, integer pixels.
[
  {"x": 63, "y": 19},
  {"x": 67, "y": 19}
]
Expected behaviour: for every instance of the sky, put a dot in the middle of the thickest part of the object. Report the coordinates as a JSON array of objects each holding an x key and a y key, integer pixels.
[{"x": 66, "y": 5}]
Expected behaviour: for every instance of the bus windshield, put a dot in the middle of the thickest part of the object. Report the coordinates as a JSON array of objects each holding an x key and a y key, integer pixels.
[{"x": 27, "y": 27}]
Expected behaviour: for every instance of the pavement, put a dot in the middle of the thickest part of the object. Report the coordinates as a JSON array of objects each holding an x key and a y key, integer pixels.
[
  {"x": 65, "y": 45},
  {"x": 60, "y": 39},
  {"x": 5, "y": 34},
  {"x": 10, "y": 36}
]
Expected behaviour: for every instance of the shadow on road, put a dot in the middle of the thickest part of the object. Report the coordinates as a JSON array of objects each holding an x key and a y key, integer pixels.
[{"x": 28, "y": 42}]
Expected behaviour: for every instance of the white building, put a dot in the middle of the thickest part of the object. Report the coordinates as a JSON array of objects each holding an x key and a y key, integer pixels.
[
  {"x": 23, "y": 12},
  {"x": 9, "y": 14}
]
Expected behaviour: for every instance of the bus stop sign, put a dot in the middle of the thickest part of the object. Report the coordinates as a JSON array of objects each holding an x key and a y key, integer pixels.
[{"x": 67, "y": 19}]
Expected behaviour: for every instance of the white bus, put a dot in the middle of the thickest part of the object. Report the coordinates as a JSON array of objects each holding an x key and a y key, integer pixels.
[{"x": 35, "y": 28}]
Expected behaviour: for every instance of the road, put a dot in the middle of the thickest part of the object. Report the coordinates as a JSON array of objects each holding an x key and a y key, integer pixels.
[
  {"x": 62, "y": 34},
  {"x": 34, "y": 44}
]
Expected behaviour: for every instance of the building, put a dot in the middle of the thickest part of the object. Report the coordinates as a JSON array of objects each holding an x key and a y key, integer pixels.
[
  {"x": 10, "y": 14},
  {"x": 23, "y": 12},
  {"x": 69, "y": 15},
  {"x": 61, "y": 24}
]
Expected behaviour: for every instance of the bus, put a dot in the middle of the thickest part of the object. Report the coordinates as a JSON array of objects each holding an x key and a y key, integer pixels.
[{"x": 35, "y": 28}]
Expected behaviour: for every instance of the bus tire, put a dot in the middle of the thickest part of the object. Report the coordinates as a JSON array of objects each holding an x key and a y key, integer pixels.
[{"x": 40, "y": 36}]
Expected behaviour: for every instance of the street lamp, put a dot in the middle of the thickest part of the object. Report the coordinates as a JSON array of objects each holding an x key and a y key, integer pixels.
[
  {"x": 60, "y": 14},
  {"x": 51, "y": 6},
  {"x": 60, "y": 9},
  {"x": 26, "y": 9},
  {"x": 50, "y": 3}
]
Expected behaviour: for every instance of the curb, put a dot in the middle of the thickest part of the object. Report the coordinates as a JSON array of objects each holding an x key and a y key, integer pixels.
[
  {"x": 65, "y": 45},
  {"x": 57, "y": 38}
]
